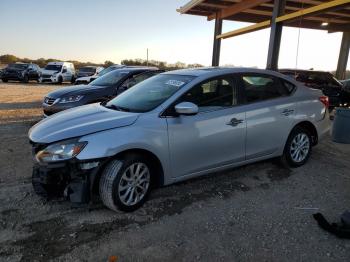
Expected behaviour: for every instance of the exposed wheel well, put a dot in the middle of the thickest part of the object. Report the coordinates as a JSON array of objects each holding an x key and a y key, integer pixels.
[
  {"x": 311, "y": 128},
  {"x": 152, "y": 158}
]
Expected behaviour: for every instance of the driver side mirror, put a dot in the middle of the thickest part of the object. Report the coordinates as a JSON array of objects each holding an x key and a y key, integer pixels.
[{"x": 186, "y": 108}]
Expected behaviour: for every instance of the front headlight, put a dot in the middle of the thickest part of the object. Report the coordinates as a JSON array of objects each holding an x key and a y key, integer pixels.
[
  {"x": 60, "y": 151},
  {"x": 70, "y": 99}
]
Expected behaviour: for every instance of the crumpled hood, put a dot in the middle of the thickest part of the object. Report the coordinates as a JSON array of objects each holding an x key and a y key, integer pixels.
[{"x": 79, "y": 121}]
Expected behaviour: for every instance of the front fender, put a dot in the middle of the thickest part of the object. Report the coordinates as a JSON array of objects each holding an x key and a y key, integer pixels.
[{"x": 143, "y": 135}]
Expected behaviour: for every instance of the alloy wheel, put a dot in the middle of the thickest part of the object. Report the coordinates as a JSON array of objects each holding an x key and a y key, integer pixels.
[
  {"x": 300, "y": 147},
  {"x": 134, "y": 184}
]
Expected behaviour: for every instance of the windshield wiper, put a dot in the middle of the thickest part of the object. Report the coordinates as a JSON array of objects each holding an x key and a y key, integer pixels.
[{"x": 119, "y": 108}]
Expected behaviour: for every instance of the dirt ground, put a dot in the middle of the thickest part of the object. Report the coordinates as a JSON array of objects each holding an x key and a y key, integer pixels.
[{"x": 259, "y": 212}]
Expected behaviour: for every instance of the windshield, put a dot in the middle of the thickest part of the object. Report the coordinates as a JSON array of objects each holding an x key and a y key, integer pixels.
[
  {"x": 18, "y": 66},
  {"x": 53, "y": 67},
  {"x": 109, "y": 79},
  {"x": 150, "y": 93},
  {"x": 87, "y": 70},
  {"x": 107, "y": 70}
]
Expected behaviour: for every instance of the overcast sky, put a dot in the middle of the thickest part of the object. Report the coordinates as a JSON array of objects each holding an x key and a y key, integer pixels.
[{"x": 99, "y": 30}]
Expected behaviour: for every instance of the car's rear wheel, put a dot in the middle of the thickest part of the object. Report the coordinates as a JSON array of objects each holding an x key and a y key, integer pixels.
[
  {"x": 72, "y": 80},
  {"x": 125, "y": 184},
  {"x": 298, "y": 148},
  {"x": 4, "y": 80}
]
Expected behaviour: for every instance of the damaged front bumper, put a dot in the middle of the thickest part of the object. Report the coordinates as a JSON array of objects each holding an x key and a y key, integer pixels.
[{"x": 73, "y": 179}]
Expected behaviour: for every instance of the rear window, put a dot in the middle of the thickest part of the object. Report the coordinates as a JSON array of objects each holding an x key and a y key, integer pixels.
[
  {"x": 263, "y": 87},
  {"x": 18, "y": 66}
]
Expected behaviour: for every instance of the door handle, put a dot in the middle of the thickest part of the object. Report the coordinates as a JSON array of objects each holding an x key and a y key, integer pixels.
[
  {"x": 235, "y": 122},
  {"x": 287, "y": 112}
]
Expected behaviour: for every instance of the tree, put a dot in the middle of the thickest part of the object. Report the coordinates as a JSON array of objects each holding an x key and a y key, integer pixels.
[
  {"x": 108, "y": 63},
  {"x": 8, "y": 59}
]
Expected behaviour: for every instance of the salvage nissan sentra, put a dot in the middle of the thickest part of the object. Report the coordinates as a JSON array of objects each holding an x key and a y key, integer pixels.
[{"x": 172, "y": 127}]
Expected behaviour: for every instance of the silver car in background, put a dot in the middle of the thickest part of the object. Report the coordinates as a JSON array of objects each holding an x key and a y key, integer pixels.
[{"x": 172, "y": 127}]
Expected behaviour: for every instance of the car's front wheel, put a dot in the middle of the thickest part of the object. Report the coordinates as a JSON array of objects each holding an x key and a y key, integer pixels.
[
  {"x": 60, "y": 80},
  {"x": 125, "y": 184},
  {"x": 298, "y": 147},
  {"x": 25, "y": 79}
]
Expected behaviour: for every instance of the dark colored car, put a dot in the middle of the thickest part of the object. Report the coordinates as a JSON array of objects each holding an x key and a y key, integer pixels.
[
  {"x": 21, "y": 72},
  {"x": 107, "y": 70},
  {"x": 346, "y": 84},
  {"x": 101, "y": 89},
  {"x": 324, "y": 81},
  {"x": 88, "y": 71}
]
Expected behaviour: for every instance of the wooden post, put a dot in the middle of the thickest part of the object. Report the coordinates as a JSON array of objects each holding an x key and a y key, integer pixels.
[
  {"x": 217, "y": 42},
  {"x": 343, "y": 56},
  {"x": 275, "y": 35}
]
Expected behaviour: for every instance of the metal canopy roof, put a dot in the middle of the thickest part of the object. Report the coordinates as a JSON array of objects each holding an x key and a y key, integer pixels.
[{"x": 335, "y": 18}]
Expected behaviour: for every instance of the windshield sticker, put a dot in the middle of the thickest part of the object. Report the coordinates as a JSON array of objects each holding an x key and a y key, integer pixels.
[{"x": 176, "y": 83}]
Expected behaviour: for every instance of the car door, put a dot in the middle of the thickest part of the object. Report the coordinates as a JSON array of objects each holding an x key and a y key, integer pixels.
[
  {"x": 35, "y": 74},
  {"x": 270, "y": 113},
  {"x": 212, "y": 138}
]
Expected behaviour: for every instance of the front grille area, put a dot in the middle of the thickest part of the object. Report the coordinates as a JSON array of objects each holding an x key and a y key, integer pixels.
[{"x": 49, "y": 101}]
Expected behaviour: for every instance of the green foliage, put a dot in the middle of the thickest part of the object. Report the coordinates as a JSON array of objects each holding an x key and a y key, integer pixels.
[
  {"x": 108, "y": 63},
  {"x": 7, "y": 59},
  {"x": 160, "y": 64}
]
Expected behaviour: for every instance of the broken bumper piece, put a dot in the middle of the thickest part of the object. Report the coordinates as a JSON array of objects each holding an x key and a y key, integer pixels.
[{"x": 73, "y": 180}]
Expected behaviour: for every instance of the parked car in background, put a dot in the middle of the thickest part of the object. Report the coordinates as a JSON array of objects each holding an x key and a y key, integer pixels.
[
  {"x": 99, "y": 90},
  {"x": 346, "y": 84},
  {"x": 107, "y": 70},
  {"x": 58, "y": 72},
  {"x": 175, "y": 126},
  {"x": 325, "y": 81},
  {"x": 23, "y": 72},
  {"x": 86, "y": 73}
]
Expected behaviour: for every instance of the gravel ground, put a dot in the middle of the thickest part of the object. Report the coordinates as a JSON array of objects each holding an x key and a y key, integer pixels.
[{"x": 259, "y": 212}]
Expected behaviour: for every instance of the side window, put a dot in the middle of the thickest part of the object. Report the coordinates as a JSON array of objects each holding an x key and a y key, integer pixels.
[
  {"x": 288, "y": 86},
  {"x": 129, "y": 82},
  {"x": 141, "y": 77},
  {"x": 213, "y": 94},
  {"x": 262, "y": 87}
]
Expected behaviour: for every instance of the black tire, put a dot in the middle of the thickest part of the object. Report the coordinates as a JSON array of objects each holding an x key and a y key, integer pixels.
[
  {"x": 110, "y": 181},
  {"x": 72, "y": 80},
  {"x": 25, "y": 79},
  {"x": 287, "y": 159},
  {"x": 4, "y": 80},
  {"x": 60, "y": 80}
]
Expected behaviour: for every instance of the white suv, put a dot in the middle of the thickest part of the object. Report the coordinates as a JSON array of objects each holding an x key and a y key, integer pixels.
[{"x": 58, "y": 72}]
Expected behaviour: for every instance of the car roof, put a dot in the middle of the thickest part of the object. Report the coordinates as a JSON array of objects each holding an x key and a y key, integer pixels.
[
  {"x": 88, "y": 67},
  {"x": 136, "y": 68},
  {"x": 58, "y": 63},
  {"x": 221, "y": 70},
  {"x": 302, "y": 71}
]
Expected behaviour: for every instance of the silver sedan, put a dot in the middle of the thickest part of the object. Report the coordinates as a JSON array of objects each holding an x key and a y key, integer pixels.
[{"x": 172, "y": 127}]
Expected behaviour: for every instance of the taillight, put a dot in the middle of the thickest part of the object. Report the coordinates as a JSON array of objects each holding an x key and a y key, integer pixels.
[{"x": 325, "y": 101}]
